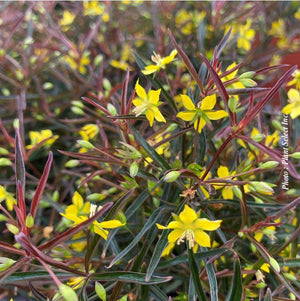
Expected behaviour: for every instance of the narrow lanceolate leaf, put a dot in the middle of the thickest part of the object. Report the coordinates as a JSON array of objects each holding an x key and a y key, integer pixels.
[
  {"x": 195, "y": 275},
  {"x": 20, "y": 166},
  {"x": 149, "y": 149},
  {"x": 212, "y": 279},
  {"x": 156, "y": 83},
  {"x": 34, "y": 276},
  {"x": 40, "y": 189},
  {"x": 132, "y": 277},
  {"x": 124, "y": 92},
  {"x": 38, "y": 295},
  {"x": 187, "y": 62},
  {"x": 236, "y": 288},
  {"x": 268, "y": 296},
  {"x": 150, "y": 223}
]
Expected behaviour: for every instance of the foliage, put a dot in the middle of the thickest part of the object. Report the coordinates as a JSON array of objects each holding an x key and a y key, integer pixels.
[{"x": 149, "y": 150}]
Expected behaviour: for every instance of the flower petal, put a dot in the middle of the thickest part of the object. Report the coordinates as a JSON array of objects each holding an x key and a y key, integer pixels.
[
  {"x": 175, "y": 225},
  {"x": 111, "y": 224},
  {"x": 150, "y": 69},
  {"x": 208, "y": 102},
  {"x": 206, "y": 224},
  {"x": 174, "y": 235},
  {"x": 77, "y": 200},
  {"x": 227, "y": 193},
  {"x": 202, "y": 239},
  {"x": 168, "y": 249},
  {"x": 153, "y": 96},
  {"x": 187, "y": 102},
  {"x": 150, "y": 116},
  {"x": 158, "y": 115},
  {"x": 215, "y": 115},
  {"x": 138, "y": 102},
  {"x": 98, "y": 230},
  {"x": 186, "y": 116},
  {"x": 188, "y": 215},
  {"x": 140, "y": 91},
  {"x": 201, "y": 125},
  {"x": 161, "y": 227},
  {"x": 168, "y": 59},
  {"x": 222, "y": 172}
]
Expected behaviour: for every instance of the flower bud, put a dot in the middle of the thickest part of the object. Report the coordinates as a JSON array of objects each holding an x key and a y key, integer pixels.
[
  {"x": 77, "y": 103},
  {"x": 290, "y": 276},
  {"x": 258, "y": 137},
  {"x": 248, "y": 74},
  {"x": 248, "y": 83},
  {"x": 274, "y": 264},
  {"x": 85, "y": 144},
  {"x": 72, "y": 163},
  {"x": 55, "y": 196},
  {"x": 77, "y": 111},
  {"x": 94, "y": 197},
  {"x": 100, "y": 291},
  {"x": 112, "y": 109},
  {"x": 232, "y": 104},
  {"x": 3, "y": 151},
  {"x": 29, "y": 221},
  {"x": 68, "y": 293},
  {"x": 5, "y": 162},
  {"x": 261, "y": 187},
  {"x": 5, "y": 263},
  {"x": 133, "y": 169},
  {"x": 237, "y": 192},
  {"x": 277, "y": 125},
  {"x": 171, "y": 176},
  {"x": 295, "y": 155},
  {"x": 12, "y": 228},
  {"x": 269, "y": 164},
  {"x": 261, "y": 285},
  {"x": 47, "y": 86}
]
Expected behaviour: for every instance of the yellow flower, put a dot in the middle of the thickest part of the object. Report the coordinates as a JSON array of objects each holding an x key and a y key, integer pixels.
[
  {"x": 160, "y": 63},
  {"x": 89, "y": 131},
  {"x": 76, "y": 282},
  {"x": 227, "y": 192},
  {"x": 268, "y": 231},
  {"x": 148, "y": 104},
  {"x": 296, "y": 80},
  {"x": 201, "y": 114},
  {"x": 297, "y": 14},
  {"x": 232, "y": 75},
  {"x": 188, "y": 21},
  {"x": 37, "y": 137},
  {"x": 189, "y": 226},
  {"x": 79, "y": 211},
  {"x": 67, "y": 19},
  {"x": 8, "y": 197},
  {"x": 245, "y": 35},
  {"x": 293, "y": 108},
  {"x": 277, "y": 29},
  {"x": 78, "y": 62},
  {"x": 92, "y": 8}
]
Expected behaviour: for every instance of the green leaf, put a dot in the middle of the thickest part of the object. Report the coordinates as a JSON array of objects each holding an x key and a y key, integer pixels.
[
  {"x": 34, "y": 276},
  {"x": 149, "y": 149},
  {"x": 132, "y": 277},
  {"x": 268, "y": 296},
  {"x": 151, "y": 221},
  {"x": 195, "y": 275},
  {"x": 212, "y": 279},
  {"x": 236, "y": 288},
  {"x": 156, "y": 83},
  {"x": 20, "y": 166}
]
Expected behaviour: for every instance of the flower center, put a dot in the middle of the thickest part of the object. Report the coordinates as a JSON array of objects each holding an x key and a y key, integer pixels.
[{"x": 189, "y": 235}]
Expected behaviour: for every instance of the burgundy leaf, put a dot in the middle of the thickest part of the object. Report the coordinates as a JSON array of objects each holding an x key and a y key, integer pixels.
[{"x": 40, "y": 189}]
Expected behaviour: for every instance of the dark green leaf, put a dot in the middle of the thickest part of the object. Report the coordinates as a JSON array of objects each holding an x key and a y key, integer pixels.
[
  {"x": 132, "y": 277},
  {"x": 236, "y": 288},
  {"x": 195, "y": 275},
  {"x": 268, "y": 296}
]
